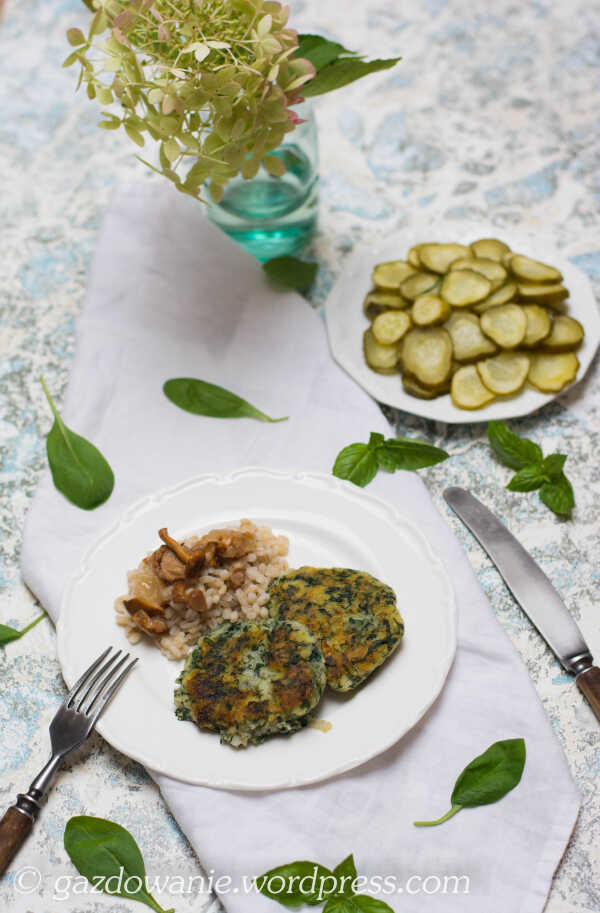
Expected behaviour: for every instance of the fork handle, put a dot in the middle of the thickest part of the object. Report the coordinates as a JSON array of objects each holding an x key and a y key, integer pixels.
[{"x": 14, "y": 829}]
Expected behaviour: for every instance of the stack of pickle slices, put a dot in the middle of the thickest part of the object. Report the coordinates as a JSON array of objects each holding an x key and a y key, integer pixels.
[{"x": 476, "y": 321}]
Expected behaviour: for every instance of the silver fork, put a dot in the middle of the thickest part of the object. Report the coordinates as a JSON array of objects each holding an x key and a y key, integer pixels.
[{"x": 73, "y": 722}]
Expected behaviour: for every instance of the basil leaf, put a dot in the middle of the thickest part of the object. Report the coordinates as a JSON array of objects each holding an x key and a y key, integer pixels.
[
  {"x": 289, "y": 272},
  {"x": 512, "y": 450},
  {"x": 202, "y": 398},
  {"x": 558, "y": 495},
  {"x": 8, "y": 634},
  {"x": 367, "y": 904},
  {"x": 79, "y": 470},
  {"x": 356, "y": 463},
  {"x": 528, "y": 479},
  {"x": 554, "y": 465},
  {"x": 320, "y": 51},
  {"x": 297, "y": 883},
  {"x": 108, "y": 856},
  {"x": 489, "y": 777},
  {"x": 346, "y": 875},
  {"x": 359, "y": 903},
  {"x": 343, "y": 71},
  {"x": 407, "y": 453}
]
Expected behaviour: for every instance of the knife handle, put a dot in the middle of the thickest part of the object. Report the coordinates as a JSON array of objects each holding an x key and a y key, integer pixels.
[{"x": 588, "y": 683}]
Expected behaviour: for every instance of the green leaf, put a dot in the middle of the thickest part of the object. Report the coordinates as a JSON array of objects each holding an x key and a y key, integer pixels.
[
  {"x": 108, "y": 856},
  {"x": 319, "y": 50},
  {"x": 297, "y": 883},
  {"x": 289, "y": 272},
  {"x": 75, "y": 37},
  {"x": 346, "y": 875},
  {"x": 79, "y": 470},
  {"x": 202, "y": 398},
  {"x": 554, "y": 465},
  {"x": 558, "y": 495},
  {"x": 512, "y": 450},
  {"x": 356, "y": 463},
  {"x": 407, "y": 453},
  {"x": 342, "y": 72},
  {"x": 359, "y": 903},
  {"x": 8, "y": 634},
  {"x": 489, "y": 777},
  {"x": 528, "y": 479},
  {"x": 70, "y": 60},
  {"x": 134, "y": 135}
]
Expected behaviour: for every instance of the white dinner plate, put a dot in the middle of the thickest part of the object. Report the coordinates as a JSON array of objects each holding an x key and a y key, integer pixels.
[
  {"x": 329, "y": 523},
  {"x": 346, "y": 321}
]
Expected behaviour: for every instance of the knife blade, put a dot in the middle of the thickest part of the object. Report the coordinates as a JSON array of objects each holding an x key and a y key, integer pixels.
[{"x": 532, "y": 590}]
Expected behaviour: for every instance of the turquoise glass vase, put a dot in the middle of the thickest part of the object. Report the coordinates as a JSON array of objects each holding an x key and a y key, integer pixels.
[{"x": 274, "y": 216}]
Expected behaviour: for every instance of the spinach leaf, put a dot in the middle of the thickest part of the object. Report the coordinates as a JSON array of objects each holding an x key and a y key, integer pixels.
[
  {"x": 297, "y": 883},
  {"x": 409, "y": 454},
  {"x": 346, "y": 875},
  {"x": 202, "y": 398},
  {"x": 108, "y": 856},
  {"x": 512, "y": 450},
  {"x": 289, "y": 272},
  {"x": 8, "y": 634},
  {"x": 534, "y": 471},
  {"x": 558, "y": 495},
  {"x": 528, "y": 479},
  {"x": 358, "y": 463},
  {"x": 343, "y": 71},
  {"x": 488, "y": 777},
  {"x": 79, "y": 470}
]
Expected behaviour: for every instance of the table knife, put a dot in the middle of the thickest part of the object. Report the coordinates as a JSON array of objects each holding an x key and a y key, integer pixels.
[{"x": 532, "y": 590}]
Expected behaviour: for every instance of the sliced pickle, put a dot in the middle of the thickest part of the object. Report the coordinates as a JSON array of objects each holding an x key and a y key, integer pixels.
[
  {"x": 566, "y": 334},
  {"x": 491, "y": 269},
  {"x": 389, "y": 327},
  {"x": 429, "y": 310},
  {"x": 413, "y": 256},
  {"x": 541, "y": 294},
  {"x": 550, "y": 372},
  {"x": 467, "y": 390},
  {"x": 438, "y": 257},
  {"x": 533, "y": 270},
  {"x": 505, "y": 324},
  {"x": 468, "y": 341},
  {"x": 411, "y": 385},
  {"x": 490, "y": 249},
  {"x": 502, "y": 295},
  {"x": 463, "y": 287},
  {"x": 388, "y": 276},
  {"x": 538, "y": 324},
  {"x": 427, "y": 355},
  {"x": 377, "y": 302},
  {"x": 505, "y": 373},
  {"x": 383, "y": 359},
  {"x": 418, "y": 284}
]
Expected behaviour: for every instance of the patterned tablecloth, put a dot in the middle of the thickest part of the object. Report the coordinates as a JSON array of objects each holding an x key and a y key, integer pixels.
[{"x": 492, "y": 115}]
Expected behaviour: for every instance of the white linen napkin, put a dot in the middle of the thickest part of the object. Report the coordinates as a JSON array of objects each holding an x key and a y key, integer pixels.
[{"x": 169, "y": 295}]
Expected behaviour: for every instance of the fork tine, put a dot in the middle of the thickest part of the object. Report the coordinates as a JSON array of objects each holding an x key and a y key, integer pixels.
[
  {"x": 93, "y": 694},
  {"x": 108, "y": 696},
  {"x": 91, "y": 682},
  {"x": 81, "y": 681}
]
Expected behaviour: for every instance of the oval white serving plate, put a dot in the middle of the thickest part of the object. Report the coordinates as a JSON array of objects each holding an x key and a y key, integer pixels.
[
  {"x": 346, "y": 322},
  {"x": 329, "y": 523}
]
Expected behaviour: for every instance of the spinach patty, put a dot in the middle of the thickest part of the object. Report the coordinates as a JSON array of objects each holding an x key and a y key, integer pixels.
[
  {"x": 247, "y": 680},
  {"x": 353, "y": 615}
]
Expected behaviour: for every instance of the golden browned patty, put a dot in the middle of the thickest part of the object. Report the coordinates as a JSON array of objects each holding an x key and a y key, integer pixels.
[
  {"x": 353, "y": 615},
  {"x": 248, "y": 680}
]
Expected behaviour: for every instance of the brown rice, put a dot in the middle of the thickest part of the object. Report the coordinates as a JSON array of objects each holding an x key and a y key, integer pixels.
[{"x": 224, "y": 601}]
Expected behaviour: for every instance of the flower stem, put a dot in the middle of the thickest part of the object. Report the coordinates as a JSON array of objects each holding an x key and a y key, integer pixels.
[{"x": 449, "y": 814}]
